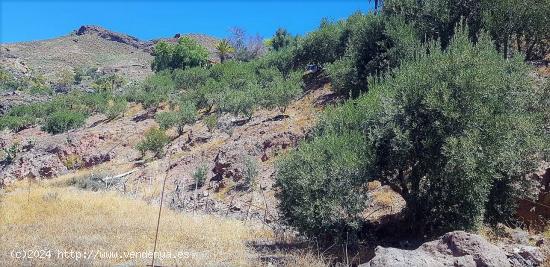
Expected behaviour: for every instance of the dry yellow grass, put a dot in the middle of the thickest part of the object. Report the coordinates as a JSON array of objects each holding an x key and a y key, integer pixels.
[{"x": 53, "y": 219}]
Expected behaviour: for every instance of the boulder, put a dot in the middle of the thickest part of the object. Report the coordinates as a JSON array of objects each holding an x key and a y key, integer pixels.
[{"x": 457, "y": 248}]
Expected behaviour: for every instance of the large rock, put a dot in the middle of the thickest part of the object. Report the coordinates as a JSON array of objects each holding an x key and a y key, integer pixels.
[{"x": 456, "y": 249}]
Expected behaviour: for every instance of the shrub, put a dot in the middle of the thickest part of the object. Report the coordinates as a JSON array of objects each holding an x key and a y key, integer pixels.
[
  {"x": 154, "y": 90},
  {"x": 211, "y": 121},
  {"x": 282, "y": 59},
  {"x": 108, "y": 83},
  {"x": 187, "y": 53},
  {"x": 376, "y": 44},
  {"x": 240, "y": 102},
  {"x": 281, "y": 39},
  {"x": 62, "y": 121},
  {"x": 10, "y": 153},
  {"x": 186, "y": 113},
  {"x": 190, "y": 79},
  {"x": 323, "y": 45},
  {"x": 166, "y": 119},
  {"x": 280, "y": 92},
  {"x": 65, "y": 80},
  {"x": 200, "y": 175},
  {"x": 320, "y": 185},
  {"x": 115, "y": 107},
  {"x": 452, "y": 131},
  {"x": 155, "y": 140},
  {"x": 250, "y": 171},
  {"x": 16, "y": 123}
]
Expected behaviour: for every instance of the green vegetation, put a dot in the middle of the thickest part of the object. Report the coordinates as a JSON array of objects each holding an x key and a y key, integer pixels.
[
  {"x": 63, "y": 112},
  {"x": 10, "y": 153},
  {"x": 281, "y": 39},
  {"x": 211, "y": 121},
  {"x": 224, "y": 50},
  {"x": 29, "y": 84},
  {"x": 186, "y": 53},
  {"x": 108, "y": 83},
  {"x": 456, "y": 144},
  {"x": 62, "y": 121},
  {"x": 250, "y": 171},
  {"x": 185, "y": 113},
  {"x": 200, "y": 175},
  {"x": 514, "y": 25},
  {"x": 154, "y": 90},
  {"x": 155, "y": 140},
  {"x": 321, "y": 185}
]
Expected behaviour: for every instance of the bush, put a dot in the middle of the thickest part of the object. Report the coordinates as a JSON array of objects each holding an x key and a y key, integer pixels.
[
  {"x": 154, "y": 90},
  {"x": 324, "y": 45},
  {"x": 190, "y": 79},
  {"x": 375, "y": 45},
  {"x": 211, "y": 121},
  {"x": 115, "y": 107},
  {"x": 281, "y": 39},
  {"x": 320, "y": 185},
  {"x": 108, "y": 83},
  {"x": 200, "y": 175},
  {"x": 186, "y": 113},
  {"x": 155, "y": 140},
  {"x": 62, "y": 121},
  {"x": 452, "y": 131},
  {"x": 16, "y": 123},
  {"x": 187, "y": 53},
  {"x": 250, "y": 171},
  {"x": 10, "y": 153},
  {"x": 280, "y": 92},
  {"x": 167, "y": 119}
]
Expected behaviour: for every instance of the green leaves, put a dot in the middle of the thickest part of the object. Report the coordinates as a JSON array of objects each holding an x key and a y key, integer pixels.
[
  {"x": 187, "y": 53},
  {"x": 320, "y": 185},
  {"x": 456, "y": 131},
  {"x": 62, "y": 121},
  {"x": 155, "y": 140}
]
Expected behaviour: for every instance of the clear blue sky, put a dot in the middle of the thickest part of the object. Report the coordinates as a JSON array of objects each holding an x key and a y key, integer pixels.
[{"x": 26, "y": 20}]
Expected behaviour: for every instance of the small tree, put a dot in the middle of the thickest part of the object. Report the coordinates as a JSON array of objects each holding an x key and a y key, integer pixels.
[
  {"x": 250, "y": 171},
  {"x": 155, "y": 140},
  {"x": 62, "y": 121},
  {"x": 281, "y": 39},
  {"x": 108, "y": 83},
  {"x": 200, "y": 175},
  {"x": 187, "y": 53}
]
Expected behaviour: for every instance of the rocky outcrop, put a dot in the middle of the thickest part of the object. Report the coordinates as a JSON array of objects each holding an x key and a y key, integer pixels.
[
  {"x": 111, "y": 36},
  {"x": 458, "y": 248}
]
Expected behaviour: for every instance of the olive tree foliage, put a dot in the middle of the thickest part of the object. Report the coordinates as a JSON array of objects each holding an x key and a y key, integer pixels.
[
  {"x": 186, "y": 53},
  {"x": 375, "y": 45},
  {"x": 281, "y": 39},
  {"x": 184, "y": 113},
  {"x": 324, "y": 45},
  {"x": 155, "y": 89},
  {"x": 514, "y": 25},
  {"x": 436, "y": 19},
  {"x": 321, "y": 185},
  {"x": 519, "y": 26},
  {"x": 453, "y": 131}
]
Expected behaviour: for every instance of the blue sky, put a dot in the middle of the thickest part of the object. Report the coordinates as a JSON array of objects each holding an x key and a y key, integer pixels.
[{"x": 27, "y": 20}]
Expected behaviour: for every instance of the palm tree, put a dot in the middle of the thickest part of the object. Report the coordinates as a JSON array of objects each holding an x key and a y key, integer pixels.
[{"x": 224, "y": 49}]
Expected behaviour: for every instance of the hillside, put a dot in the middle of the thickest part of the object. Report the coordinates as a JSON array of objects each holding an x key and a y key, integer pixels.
[
  {"x": 89, "y": 47},
  {"x": 357, "y": 144}
]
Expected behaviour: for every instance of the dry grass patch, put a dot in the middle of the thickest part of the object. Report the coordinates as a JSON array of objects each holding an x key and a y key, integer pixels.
[{"x": 66, "y": 219}]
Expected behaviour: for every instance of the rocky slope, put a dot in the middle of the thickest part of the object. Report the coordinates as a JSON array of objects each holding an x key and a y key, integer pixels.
[
  {"x": 109, "y": 146},
  {"x": 88, "y": 47}
]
